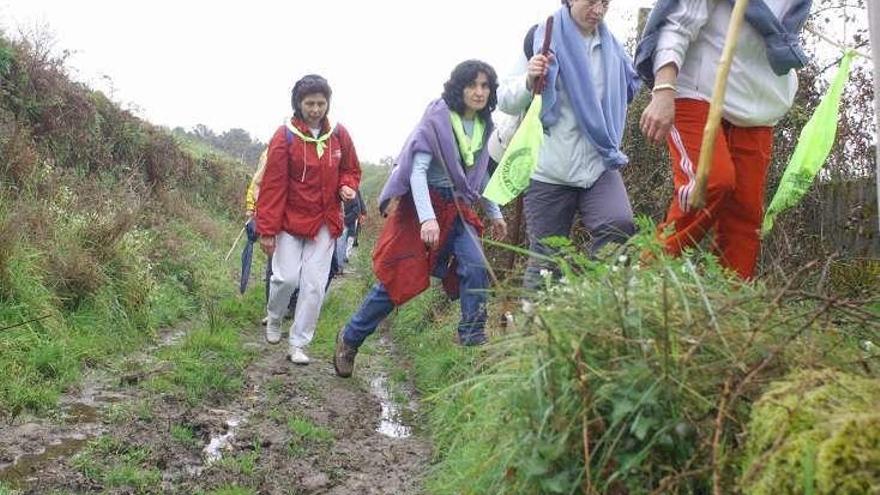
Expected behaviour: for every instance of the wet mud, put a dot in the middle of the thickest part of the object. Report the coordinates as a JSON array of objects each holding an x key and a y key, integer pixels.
[{"x": 293, "y": 429}]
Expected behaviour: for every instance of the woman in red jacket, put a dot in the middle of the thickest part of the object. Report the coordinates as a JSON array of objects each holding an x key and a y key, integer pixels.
[{"x": 311, "y": 169}]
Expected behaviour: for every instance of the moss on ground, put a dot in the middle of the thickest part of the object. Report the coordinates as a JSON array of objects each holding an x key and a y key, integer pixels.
[{"x": 815, "y": 432}]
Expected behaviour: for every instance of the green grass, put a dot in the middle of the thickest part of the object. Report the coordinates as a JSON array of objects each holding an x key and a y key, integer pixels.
[
  {"x": 207, "y": 365},
  {"x": 199, "y": 149},
  {"x": 308, "y": 431},
  {"x": 7, "y": 490},
  {"x": 244, "y": 464},
  {"x": 306, "y": 436},
  {"x": 113, "y": 463},
  {"x": 231, "y": 490},
  {"x": 40, "y": 360},
  {"x": 120, "y": 413},
  {"x": 273, "y": 388},
  {"x": 184, "y": 435}
]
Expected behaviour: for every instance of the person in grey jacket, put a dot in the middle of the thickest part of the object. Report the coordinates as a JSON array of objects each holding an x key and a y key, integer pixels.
[{"x": 590, "y": 81}]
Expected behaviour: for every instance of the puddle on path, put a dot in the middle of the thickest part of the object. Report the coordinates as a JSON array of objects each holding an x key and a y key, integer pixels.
[
  {"x": 84, "y": 420},
  {"x": 214, "y": 450},
  {"x": 25, "y": 468},
  {"x": 78, "y": 413},
  {"x": 391, "y": 422}
]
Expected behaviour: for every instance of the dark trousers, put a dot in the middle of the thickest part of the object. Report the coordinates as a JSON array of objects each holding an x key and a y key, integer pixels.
[{"x": 604, "y": 210}]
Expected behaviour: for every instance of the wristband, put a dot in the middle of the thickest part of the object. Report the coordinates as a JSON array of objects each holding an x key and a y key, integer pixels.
[{"x": 663, "y": 86}]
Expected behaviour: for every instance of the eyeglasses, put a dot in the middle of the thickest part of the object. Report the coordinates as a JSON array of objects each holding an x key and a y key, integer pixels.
[{"x": 592, "y": 4}]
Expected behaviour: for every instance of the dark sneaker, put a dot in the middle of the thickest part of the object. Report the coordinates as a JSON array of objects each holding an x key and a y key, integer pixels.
[{"x": 343, "y": 356}]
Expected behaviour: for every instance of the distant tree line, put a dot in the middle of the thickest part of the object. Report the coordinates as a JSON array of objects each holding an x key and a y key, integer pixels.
[{"x": 237, "y": 143}]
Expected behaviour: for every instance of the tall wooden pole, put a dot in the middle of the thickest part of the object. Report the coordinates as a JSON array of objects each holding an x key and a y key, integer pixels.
[
  {"x": 874, "y": 22},
  {"x": 716, "y": 106}
]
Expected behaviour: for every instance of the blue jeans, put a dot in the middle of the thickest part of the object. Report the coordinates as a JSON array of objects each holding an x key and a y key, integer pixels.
[
  {"x": 341, "y": 245},
  {"x": 473, "y": 283}
]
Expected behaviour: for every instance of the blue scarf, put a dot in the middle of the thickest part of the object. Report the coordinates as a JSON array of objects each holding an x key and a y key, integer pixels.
[
  {"x": 784, "y": 51},
  {"x": 601, "y": 121}
]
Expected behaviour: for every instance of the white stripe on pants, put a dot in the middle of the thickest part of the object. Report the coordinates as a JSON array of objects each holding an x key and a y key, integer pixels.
[{"x": 303, "y": 263}]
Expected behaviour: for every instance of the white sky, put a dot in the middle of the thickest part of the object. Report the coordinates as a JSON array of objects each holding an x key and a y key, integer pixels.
[{"x": 226, "y": 64}]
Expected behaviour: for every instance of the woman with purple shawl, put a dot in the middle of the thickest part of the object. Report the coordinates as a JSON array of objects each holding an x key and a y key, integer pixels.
[{"x": 431, "y": 226}]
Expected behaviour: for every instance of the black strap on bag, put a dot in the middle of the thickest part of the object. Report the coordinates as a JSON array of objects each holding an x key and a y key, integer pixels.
[{"x": 529, "y": 42}]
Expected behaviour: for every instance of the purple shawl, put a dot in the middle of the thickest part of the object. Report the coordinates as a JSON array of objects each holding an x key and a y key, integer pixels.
[{"x": 434, "y": 135}]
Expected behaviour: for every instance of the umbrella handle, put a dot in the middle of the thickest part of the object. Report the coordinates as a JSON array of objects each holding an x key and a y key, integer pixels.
[
  {"x": 234, "y": 244},
  {"x": 545, "y": 50}
]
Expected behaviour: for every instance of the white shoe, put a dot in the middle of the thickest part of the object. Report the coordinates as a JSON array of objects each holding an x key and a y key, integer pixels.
[
  {"x": 297, "y": 356},
  {"x": 273, "y": 332}
]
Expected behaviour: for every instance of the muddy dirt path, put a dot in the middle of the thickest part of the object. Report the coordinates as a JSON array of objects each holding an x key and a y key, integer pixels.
[{"x": 293, "y": 429}]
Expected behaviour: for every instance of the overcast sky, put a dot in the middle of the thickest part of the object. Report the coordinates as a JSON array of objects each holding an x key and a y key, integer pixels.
[{"x": 232, "y": 64}]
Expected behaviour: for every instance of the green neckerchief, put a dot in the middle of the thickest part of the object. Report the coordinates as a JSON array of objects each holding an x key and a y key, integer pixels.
[
  {"x": 320, "y": 141},
  {"x": 467, "y": 147}
]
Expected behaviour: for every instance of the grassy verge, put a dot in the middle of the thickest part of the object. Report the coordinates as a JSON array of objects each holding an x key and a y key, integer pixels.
[
  {"x": 109, "y": 230},
  {"x": 625, "y": 378},
  {"x": 141, "y": 293}
]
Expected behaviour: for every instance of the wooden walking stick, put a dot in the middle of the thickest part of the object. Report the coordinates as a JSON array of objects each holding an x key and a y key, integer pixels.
[
  {"x": 517, "y": 226},
  {"x": 716, "y": 107},
  {"x": 545, "y": 51},
  {"x": 234, "y": 243}
]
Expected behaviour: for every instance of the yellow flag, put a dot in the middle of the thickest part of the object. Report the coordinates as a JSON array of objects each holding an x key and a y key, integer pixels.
[
  {"x": 520, "y": 158},
  {"x": 814, "y": 145}
]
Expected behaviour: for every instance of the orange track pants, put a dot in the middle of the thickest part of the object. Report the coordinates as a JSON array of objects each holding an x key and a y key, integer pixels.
[{"x": 735, "y": 192}]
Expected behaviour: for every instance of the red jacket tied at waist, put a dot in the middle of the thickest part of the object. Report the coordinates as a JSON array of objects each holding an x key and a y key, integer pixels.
[
  {"x": 402, "y": 261},
  {"x": 300, "y": 191}
]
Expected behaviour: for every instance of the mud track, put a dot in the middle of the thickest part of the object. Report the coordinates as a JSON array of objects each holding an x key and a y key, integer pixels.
[{"x": 293, "y": 429}]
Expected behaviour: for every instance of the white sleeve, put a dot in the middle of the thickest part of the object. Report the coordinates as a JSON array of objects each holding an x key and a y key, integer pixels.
[
  {"x": 681, "y": 28},
  {"x": 513, "y": 94},
  {"x": 491, "y": 208},
  {"x": 418, "y": 184}
]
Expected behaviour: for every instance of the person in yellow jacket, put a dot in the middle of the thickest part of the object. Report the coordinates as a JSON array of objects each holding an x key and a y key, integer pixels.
[
  {"x": 253, "y": 190},
  {"x": 250, "y": 206}
]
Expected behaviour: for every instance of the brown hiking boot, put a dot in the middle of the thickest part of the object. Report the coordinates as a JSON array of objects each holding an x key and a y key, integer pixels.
[{"x": 343, "y": 356}]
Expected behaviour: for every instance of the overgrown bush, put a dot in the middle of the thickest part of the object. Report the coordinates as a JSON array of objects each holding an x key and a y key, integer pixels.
[{"x": 635, "y": 377}]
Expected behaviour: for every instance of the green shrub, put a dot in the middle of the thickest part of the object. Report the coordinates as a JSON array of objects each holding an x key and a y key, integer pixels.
[{"x": 615, "y": 376}]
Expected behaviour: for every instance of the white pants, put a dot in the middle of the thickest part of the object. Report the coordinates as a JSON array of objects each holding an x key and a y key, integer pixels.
[{"x": 303, "y": 263}]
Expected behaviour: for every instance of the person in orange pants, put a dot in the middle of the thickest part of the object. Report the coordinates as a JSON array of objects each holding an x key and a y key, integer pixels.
[
  {"x": 735, "y": 192},
  {"x": 676, "y": 55}
]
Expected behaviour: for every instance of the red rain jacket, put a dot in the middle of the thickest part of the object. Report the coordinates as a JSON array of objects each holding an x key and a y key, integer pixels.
[{"x": 300, "y": 192}]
